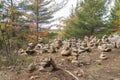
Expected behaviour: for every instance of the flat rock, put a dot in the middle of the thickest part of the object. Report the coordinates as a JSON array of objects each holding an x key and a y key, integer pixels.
[
  {"x": 103, "y": 57},
  {"x": 65, "y": 52}
]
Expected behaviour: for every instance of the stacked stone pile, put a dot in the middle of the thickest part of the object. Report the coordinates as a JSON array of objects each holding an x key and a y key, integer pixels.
[
  {"x": 47, "y": 65},
  {"x": 73, "y": 51},
  {"x": 73, "y": 47}
]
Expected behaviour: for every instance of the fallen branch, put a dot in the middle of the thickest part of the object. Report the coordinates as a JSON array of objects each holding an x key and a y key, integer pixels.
[{"x": 70, "y": 73}]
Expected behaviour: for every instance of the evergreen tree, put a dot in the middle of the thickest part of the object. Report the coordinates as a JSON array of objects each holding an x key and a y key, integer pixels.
[
  {"x": 41, "y": 10},
  {"x": 10, "y": 11},
  {"x": 115, "y": 16},
  {"x": 87, "y": 18}
]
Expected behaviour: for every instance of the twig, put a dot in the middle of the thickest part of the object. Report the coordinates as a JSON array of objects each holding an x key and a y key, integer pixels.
[{"x": 70, "y": 73}]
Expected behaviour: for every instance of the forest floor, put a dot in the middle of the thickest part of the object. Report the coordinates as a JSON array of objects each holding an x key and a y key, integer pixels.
[{"x": 90, "y": 68}]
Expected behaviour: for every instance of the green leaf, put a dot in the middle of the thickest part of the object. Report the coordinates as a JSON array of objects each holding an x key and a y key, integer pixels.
[{"x": 3, "y": 26}]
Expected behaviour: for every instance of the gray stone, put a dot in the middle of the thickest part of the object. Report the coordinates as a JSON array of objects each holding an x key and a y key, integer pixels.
[
  {"x": 104, "y": 48},
  {"x": 38, "y": 47},
  {"x": 21, "y": 51},
  {"x": 103, "y": 57},
  {"x": 47, "y": 65},
  {"x": 74, "y": 61},
  {"x": 34, "y": 77},
  {"x": 65, "y": 52}
]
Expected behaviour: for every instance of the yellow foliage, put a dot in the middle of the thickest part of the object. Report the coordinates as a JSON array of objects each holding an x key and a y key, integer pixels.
[
  {"x": 32, "y": 38},
  {"x": 3, "y": 26},
  {"x": 32, "y": 27},
  {"x": 12, "y": 9},
  {"x": 117, "y": 21},
  {"x": 118, "y": 14},
  {"x": 62, "y": 32},
  {"x": 44, "y": 33}
]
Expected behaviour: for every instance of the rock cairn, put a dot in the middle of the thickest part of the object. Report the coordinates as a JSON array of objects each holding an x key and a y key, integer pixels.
[
  {"x": 73, "y": 47},
  {"x": 46, "y": 65}
]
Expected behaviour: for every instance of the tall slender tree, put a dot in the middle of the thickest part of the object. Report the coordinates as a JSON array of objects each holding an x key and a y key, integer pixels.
[{"x": 41, "y": 10}]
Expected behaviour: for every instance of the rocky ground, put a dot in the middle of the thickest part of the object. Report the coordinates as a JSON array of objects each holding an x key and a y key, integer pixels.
[
  {"x": 72, "y": 59},
  {"x": 90, "y": 66}
]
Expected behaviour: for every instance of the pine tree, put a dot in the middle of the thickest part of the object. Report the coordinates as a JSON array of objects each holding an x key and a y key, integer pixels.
[
  {"x": 115, "y": 16},
  {"x": 41, "y": 10},
  {"x": 87, "y": 18}
]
